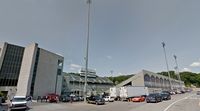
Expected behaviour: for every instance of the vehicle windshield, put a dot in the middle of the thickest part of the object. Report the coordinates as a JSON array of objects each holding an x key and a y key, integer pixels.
[
  {"x": 163, "y": 93},
  {"x": 97, "y": 97},
  {"x": 18, "y": 99},
  {"x": 152, "y": 95}
]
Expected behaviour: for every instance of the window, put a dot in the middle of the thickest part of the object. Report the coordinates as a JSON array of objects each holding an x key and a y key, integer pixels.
[{"x": 60, "y": 63}]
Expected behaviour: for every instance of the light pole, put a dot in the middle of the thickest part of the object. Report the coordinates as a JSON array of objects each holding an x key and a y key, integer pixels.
[
  {"x": 163, "y": 45},
  {"x": 177, "y": 70},
  {"x": 87, "y": 50},
  {"x": 111, "y": 72}
]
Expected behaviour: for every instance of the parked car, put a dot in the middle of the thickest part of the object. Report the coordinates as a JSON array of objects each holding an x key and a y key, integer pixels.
[
  {"x": 172, "y": 92},
  {"x": 2, "y": 100},
  {"x": 138, "y": 99},
  {"x": 109, "y": 99},
  {"x": 65, "y": 98},
  {"x": 183, "y": 91},
  {"x": 198, "y": 92},
  {"x": 95, "y": 100},
  {"x": 76, "y": 98},
  {"x": 19, "y": 102},
  {"x": 178, "y": 92},
  {"x": 165, "y": 96},
  {"x": 154, "y": 97},
  {"x": 81, "y": 98},
  {"x": 53, "y": 97},
  {"x": 167, "y": 92}
]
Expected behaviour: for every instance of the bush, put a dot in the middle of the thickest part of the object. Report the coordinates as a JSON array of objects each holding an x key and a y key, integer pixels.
[{"x": 1, "y": 94}]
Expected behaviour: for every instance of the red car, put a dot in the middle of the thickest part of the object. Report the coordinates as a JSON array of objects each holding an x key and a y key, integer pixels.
[
  {"x": 53, "y": 97},
  {"x": 138, "y": 99}
]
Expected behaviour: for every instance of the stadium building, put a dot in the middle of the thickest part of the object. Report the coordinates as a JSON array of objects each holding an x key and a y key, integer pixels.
[
  {"x": 29, "y": 70},
  {"x": 73, "y": 83},
  {"x": 153, "y": 81}
]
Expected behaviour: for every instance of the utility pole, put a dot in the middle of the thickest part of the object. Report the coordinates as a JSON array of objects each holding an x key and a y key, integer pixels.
[
  {"x": 111, "y": 72},
  {"x": 177, "y": 70},
  {"x": 163, "y": 45},
  {"x": 87, "y": 50}
]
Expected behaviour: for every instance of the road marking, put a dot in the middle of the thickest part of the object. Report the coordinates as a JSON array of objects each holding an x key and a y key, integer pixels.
[{"x": 176, "y": 102}]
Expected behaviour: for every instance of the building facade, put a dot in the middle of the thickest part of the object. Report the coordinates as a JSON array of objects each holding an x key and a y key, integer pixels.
[
  {"x": 29, "y": 70},
  {"x": 153, "y": 81},
  {"x": 73, "y": 83}
]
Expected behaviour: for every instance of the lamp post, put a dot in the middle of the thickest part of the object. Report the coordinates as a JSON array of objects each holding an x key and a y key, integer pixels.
[
  {"x": 163, "y": 45},
  {"x": 87, "y": 50},
  {"x": 177, "y": 70},
  {"x": 111, "y": 72}
]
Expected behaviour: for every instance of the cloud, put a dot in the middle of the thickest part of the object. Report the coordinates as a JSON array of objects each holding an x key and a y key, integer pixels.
[
  {"x": 74, "y": 67},
  {"x": 187, "y": 69},
  {"x": 195, "y": 64},
  {"x": 109, "y": 57}
]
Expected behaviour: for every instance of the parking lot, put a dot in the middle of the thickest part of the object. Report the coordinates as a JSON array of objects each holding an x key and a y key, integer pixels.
[
  {"x": 179, "y": 102},
  {"x": 121, "y": 106}
]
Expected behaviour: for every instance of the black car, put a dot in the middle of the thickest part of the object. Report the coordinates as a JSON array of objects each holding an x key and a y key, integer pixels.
[
  {"x": 166, "y": 92},
  {"x": 95, "y": 100},
  {"x": 155, "y": 97},
  {"x": 165, "y": 96},
  {"x": 65, "y": 98}
]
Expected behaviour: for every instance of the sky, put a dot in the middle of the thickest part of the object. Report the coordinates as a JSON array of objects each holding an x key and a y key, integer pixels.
[{"x": 125, "y": 35}]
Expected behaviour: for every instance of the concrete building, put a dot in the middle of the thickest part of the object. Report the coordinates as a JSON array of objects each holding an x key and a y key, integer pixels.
[
  {"x": 153, "y": 81},
  {"x": 74, "y": 83},
  {"x": 29, "y": 70}
]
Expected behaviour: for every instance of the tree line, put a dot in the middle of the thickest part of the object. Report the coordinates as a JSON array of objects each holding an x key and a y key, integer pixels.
[{"x": 189, "y": 78}]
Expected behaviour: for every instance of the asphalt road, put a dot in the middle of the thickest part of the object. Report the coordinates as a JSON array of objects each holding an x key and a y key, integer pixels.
[
  {"x": 187, "y": 104},
  {"x": 180, "y": 102}
]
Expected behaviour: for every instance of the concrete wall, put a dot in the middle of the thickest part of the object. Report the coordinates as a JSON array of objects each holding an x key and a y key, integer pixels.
[
  {"x": 138, "y": 80},
  {"x": 3, "y": 47},
  {"x": 46, "y": 74},
  {"x": 26, "y": 71}
]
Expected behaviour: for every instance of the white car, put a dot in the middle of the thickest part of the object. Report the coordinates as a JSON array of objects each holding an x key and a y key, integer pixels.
[
  {"x": 19, "y": 102},
  {"x": 109, "y": 99}
]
